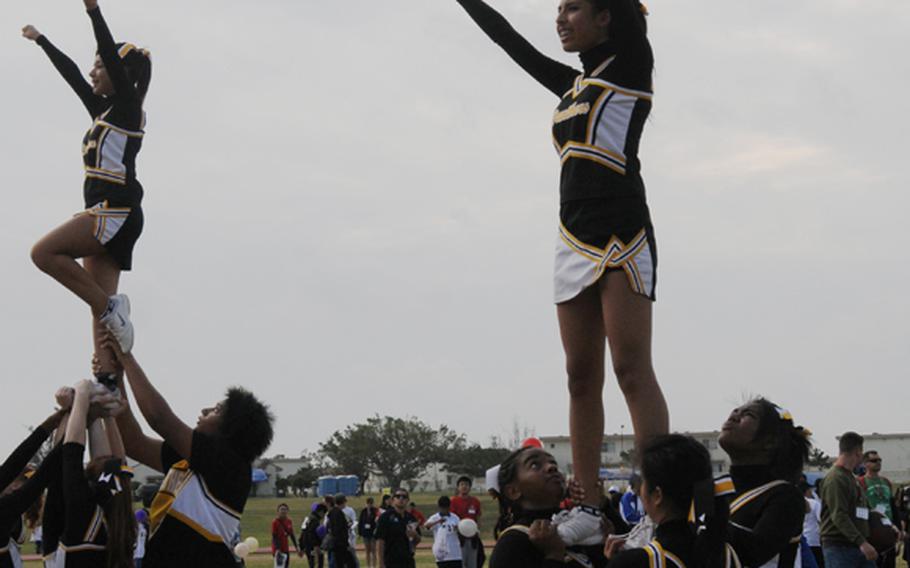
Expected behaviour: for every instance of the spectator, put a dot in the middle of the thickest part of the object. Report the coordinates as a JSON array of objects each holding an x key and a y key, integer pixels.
[
  {"x": 142, "y": 535},
  {"x": 630, "y": 506},
  {"x": 338, "y": 536},
  {"x": 396, "y": 532},
  {"x": 446, "y": 546},
  {"x": 880, "y": 496},
  {"x": 845, "y": 513},
  {"x": 366, "y": 527},
  {"x": 282, "y": 530},
  {"x": 351, "y": 515},
  {"x": 415, "y": 512},
  {"x": 310, "y": 537},
  {"x": 466, "y": 506},
  {"x": 812, "y": 523}
]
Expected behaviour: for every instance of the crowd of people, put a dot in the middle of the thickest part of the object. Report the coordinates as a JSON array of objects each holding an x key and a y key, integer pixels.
[{"x": 763, "y": 513}]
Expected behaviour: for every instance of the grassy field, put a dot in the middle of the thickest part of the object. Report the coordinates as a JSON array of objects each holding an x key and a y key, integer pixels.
[{"x": 257, "y": 521}]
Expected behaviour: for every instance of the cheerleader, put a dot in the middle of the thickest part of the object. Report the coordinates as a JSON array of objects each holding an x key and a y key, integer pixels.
[
  {"x": 767, "y": 452},
  {"x": 196, "y": 513},
  {"x": 103, "y": 235},
  {"x": 606, "y": 259},
  {"x": 676, "y": 480},
  {"x": 531, "y": 489},
  {"x": 99, "y": 527},
  {"x": 22, "y": 488}
]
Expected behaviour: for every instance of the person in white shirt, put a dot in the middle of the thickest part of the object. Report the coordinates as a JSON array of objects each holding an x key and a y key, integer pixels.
[
  {"x": 351, "y": 515},
  {"x": 446, "y": 546},
  {"x": 812, "y": 523}
]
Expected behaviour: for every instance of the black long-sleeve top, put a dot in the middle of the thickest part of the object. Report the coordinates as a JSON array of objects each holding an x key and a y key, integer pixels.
[
  {"x": 598, "y": 123},
  {"x": 764, "y": 524},
  {"x": 514, "y": 548},
  {"x": 14, "y": 504},
  {"x": 16, "y": 462},
  {"x": 84, "y": 536},
  {"x": 110, "y": 146}
]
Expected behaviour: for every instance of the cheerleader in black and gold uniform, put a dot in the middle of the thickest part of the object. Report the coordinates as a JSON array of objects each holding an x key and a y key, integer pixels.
[
  {"x": 104, "y": 235},
  {"x": 688, "y": 506},
  {"x": 606, "y": 259},
  {"x": 767, "y": 453}
]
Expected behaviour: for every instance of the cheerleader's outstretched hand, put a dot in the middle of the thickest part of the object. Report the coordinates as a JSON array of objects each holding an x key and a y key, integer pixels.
[{"x": 31, "y": 33}]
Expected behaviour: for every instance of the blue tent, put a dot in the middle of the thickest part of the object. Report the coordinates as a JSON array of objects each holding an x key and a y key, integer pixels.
[{"x": 259, "y": 475}]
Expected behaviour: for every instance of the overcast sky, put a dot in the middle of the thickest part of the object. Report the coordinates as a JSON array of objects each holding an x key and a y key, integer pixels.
[{"x": 351, "y": 208}]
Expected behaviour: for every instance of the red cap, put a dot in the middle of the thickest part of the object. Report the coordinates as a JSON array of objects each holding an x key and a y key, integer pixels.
[{"x": 532, "y": 443}]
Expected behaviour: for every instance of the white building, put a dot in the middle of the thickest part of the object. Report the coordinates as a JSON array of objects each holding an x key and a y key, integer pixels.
[
  {"x": 894, "y": 450},
  {"x": 614, "y": 445}
]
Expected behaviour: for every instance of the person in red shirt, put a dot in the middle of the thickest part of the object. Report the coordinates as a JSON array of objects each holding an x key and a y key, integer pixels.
[
  {"x": 282, "y": 530},
  {"x": 466, "y": 506},
  {"x": 415, "y": 512}
]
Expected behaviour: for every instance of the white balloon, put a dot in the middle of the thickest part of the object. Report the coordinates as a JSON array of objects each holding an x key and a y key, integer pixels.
[
  {"x": 242, "y": 549},
  {"x": 467, "y": 528},
  {"x": 252, "y": 542}
]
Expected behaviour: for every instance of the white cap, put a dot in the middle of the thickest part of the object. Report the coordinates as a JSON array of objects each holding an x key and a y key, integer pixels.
[
  {"x": 492, "y": 478},
  {"x": 613, "y": 489}
]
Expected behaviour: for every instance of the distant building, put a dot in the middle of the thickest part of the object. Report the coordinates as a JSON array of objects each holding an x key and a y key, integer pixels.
[
  {"x": 895, "y": 452},
  {"x": 616, "y": 445}
]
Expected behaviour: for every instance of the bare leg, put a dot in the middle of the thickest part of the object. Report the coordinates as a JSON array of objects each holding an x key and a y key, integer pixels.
[
  {"x": 581, "y": 326},
  {"x": 627, "y": 321},
  {"x": 106, "y": 273},
  {"x": 56, "y": 255}
]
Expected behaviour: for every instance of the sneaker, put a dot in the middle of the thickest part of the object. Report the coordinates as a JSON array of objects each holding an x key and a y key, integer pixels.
[
  {"x": 641, "y": 534},
  {"x": 117, "y": 320},
  {"x": 583, "y": 526}
]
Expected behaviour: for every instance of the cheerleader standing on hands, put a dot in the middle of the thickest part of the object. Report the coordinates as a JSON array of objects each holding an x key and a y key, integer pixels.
[
  {"x": 105, "y": 233},
  {"x": 606, "y": 259}
]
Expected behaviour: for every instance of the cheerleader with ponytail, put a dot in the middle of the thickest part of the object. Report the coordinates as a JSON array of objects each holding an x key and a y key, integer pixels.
[
  {"x": 767, "y": 453},
  {"x": 687, "y": 505},
  {"x": 104, "y": 234}
]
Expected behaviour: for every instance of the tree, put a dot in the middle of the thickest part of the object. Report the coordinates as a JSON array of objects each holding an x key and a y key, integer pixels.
[
  {"x": 306, "y": 476},
  {"x": 819, "y": 459},
  {"x": 474, "y": 460},
  {"x": 397, "y": 449}
]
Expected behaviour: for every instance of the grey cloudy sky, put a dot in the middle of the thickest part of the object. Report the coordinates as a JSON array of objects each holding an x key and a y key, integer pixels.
[{"x": 351, "y": 209}]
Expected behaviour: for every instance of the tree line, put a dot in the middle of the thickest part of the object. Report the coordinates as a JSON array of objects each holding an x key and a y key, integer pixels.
[{"x": 395, "y": 449}]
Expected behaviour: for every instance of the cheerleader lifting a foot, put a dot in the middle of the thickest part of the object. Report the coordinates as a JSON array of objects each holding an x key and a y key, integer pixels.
[
  {"x": 606, "y": 259},
  {"x": 104, "y": 234}
]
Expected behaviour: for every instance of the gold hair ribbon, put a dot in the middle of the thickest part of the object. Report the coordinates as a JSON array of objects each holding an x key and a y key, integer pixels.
[
  {"x": 784, "y": 414},
  {"x": 125, "y": 49}
]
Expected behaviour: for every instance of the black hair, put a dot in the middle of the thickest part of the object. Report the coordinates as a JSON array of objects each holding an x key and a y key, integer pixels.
[
  {"x": 246, "y": 424},
  {"x": 616, "y": 7},
  {"x": 508, "y": 471},
  {"x": 340, "y": 499},
  {"x": 385, "y": 501},
  {"x": 681, "y": 467},
  {"x": 329, "y": 500},
  {"x": 850, "y": 442},
  {"x": 369, "y": 500},
  {"x": 285, "y": 505},
  {"x": 787, "y": 444},
  {"x": 138, "y": 65},
  {"x": 465, "y": 478},
  {"x": 444, "y": 502}
]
